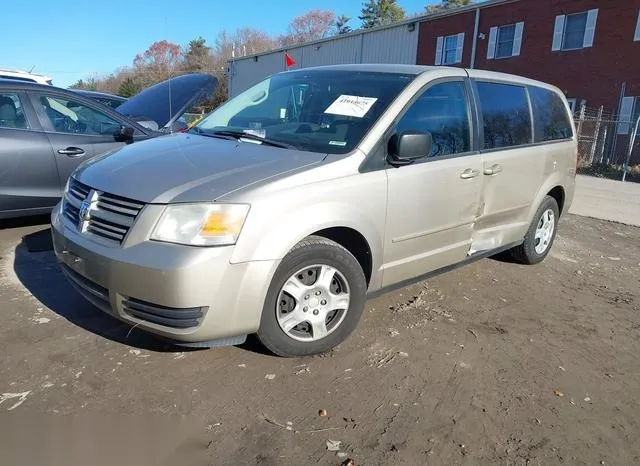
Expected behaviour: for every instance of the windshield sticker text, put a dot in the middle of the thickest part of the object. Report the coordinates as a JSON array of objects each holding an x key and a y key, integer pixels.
[{"x": 351, "y": 105}]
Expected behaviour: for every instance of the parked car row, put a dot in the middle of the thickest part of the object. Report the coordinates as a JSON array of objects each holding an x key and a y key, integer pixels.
[
  {"x": 46, "y": 132},
  {"x": 104, "y": 98}
]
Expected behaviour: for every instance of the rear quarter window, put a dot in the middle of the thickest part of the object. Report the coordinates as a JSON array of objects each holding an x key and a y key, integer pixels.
[
  {"x": 505, "y": 115},
  {"x": 551, "y": 120}
]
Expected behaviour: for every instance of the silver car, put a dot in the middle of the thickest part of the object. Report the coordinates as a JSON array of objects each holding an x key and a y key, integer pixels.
[{"x": 285, "y": 208}]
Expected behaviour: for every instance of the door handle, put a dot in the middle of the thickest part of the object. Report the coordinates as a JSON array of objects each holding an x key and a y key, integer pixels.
[
  {"x": 71, "y": 151},
  {"x": 469, "y": 173},
  {"x": 493, "y": 169}
]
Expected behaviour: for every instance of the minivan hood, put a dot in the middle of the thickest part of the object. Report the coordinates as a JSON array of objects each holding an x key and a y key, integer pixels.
[
  {"x": 165, "y": 102},
  {"x": 188, "y": 168}
]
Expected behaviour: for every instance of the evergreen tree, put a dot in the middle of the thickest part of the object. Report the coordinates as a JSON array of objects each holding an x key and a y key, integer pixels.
[{"x": 378, "y": 12}]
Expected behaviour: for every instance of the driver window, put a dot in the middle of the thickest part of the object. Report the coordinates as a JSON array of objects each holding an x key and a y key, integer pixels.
[
  {"x": 68, "y": 116},
  {"x": 442, "y": 111}
]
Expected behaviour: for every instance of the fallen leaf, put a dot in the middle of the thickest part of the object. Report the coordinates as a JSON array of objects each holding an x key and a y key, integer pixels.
[
  {"x": 333, "y": 445},
  {"x": 341, "y": 454},
  {"x": 322, "y": 412},
  {"x": 349, "y": 462},
  {"x": 349, "y": 419},
  {"x": 270, "y": 376},
  {"x": 587, "y": 399},
  {"x": 8, "y": 396},
  {"x": 558, "y": 393}
]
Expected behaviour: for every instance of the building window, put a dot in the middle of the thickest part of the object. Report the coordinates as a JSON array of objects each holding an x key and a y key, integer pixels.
[
  {"x": 504, "y": 45},
  {"x": 572, "y": 104},
  {"x": 575, "y": 31},
  {"x": 636, "y": 36},
  {"x": 629, "y": 114},
  {"x": 505, "y": 41},
  {"x": 449, "y": 49}
]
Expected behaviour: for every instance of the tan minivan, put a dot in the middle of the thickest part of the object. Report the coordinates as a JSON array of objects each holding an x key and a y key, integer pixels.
[{"x": 282, "y": 210}]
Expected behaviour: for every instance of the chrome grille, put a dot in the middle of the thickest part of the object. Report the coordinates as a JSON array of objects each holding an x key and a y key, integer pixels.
[{"x": 111, "y": 216}]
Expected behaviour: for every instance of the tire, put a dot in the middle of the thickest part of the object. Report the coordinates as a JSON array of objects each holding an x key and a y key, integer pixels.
[
  {"x": 530, "y": 251},
  {"x": 304, "y": 270}
]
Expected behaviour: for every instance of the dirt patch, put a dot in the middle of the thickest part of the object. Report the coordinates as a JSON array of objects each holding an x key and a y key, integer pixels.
[{"x": 494, "y": 363}]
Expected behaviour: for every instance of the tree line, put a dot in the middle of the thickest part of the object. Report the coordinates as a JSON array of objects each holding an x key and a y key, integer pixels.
[{"x": 164, "y": 59}]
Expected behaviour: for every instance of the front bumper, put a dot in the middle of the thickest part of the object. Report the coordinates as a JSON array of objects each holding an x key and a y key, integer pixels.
[{"x": 185, "y": 294}]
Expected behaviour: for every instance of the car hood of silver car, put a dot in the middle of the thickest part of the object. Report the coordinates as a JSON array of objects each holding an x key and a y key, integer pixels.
[{"x": 189, "y": 168}]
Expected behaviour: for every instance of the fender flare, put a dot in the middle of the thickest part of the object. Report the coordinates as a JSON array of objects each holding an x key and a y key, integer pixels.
[
  {"x": 265, "y": 243},
  {"x": 549, "y": 184}
]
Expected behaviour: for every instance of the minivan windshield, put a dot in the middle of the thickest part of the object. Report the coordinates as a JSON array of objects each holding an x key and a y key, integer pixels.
[{"x": 327, "y": 111}]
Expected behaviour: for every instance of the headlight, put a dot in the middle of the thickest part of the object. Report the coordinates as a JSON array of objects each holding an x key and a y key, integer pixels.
[{"x": 201, "y": 224}]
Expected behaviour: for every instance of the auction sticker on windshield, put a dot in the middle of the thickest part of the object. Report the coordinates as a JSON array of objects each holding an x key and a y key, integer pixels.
[{"x": 351, "y": 105}]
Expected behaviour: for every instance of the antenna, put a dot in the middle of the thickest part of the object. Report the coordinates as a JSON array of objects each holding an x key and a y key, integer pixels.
[
  {"x": 170, "y": 112},
  {"x": 166, "y": 30},
  {"x": 32, "y": 69}
]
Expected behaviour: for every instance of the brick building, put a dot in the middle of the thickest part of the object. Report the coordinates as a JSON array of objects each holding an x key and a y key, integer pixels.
[{"x": 588, "y": 48}]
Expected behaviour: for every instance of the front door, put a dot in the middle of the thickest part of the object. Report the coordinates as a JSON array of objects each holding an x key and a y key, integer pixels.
[
  {"x": 433, "y": 203},
  {"x": 28, "y": 175},
  {"x": 77, "y": 131},
  {"x": 513, "y": 169}
]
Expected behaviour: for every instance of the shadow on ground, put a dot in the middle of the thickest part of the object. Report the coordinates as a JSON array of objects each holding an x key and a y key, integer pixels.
[
  {"x": 36, "y": 268},
  {"x": 505, "y": 257},
  {"x": 21, "y": 222}
]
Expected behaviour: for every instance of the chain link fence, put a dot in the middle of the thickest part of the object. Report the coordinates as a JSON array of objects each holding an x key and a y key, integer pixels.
[{"x": 604, "y": 143}]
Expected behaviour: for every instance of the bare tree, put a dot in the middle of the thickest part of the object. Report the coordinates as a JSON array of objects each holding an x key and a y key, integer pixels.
[
  {"x": 159, "y": 62},
  {"x": 245, "y": 41},
  {"x": 313, "y": 25}
]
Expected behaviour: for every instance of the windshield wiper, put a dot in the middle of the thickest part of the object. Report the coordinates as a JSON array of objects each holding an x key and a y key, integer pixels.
[{"x": 253, "y": 137}]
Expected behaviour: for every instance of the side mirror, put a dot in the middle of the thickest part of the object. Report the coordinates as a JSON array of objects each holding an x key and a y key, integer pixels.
[
  {"x": 125, "y": 134},
  {"x": 409, "y": 146}
]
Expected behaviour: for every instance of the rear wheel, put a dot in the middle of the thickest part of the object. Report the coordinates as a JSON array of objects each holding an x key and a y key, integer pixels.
[
  {"x": 539, "y": 238},
  {"x": 315, "y": 299}
]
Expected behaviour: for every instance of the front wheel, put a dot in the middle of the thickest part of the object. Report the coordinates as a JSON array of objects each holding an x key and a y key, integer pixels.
[
  {"x": 542, "y": 231},
  {"x": 315, "y": 299}
]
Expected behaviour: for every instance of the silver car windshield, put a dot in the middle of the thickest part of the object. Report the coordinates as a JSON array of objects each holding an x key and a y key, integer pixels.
[{"x": 325, "y": 111}]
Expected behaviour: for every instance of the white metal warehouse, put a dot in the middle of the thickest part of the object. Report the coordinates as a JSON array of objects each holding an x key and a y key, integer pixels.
[{"x": 396, "y": 43}]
